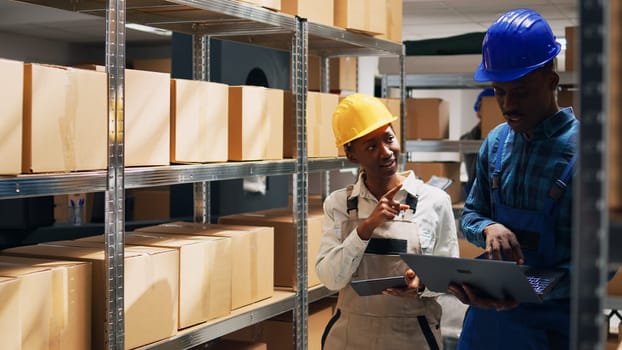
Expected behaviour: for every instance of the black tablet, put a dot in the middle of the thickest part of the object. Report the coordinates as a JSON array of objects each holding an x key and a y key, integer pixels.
[{"x": 374, "y": 286}]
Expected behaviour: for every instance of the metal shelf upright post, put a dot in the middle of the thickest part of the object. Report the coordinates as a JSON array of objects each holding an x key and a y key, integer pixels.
[
  {"x": 299, "y": 60},
  {"x": 201, "y": 71},
  {"x": 591, "y": 225},
  {"x": 115, "y": 188}
]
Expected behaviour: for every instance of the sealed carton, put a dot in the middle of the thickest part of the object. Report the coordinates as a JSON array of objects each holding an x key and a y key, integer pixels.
[
  {"x": 147, "y": 118},
  {"x": 394, "y": 21},
  {"x": 320, "y": 139},
  {"x": 34, "y": 295},
  {"x": 393, "y": 105},
  {"x": 285, "y": 233},
  {"x": 269, "y": 4},
  {"x": 491, "y": 115},
  {"x": 316, "y": 11},
  {"x": 365, "y": 16},
  {"x": 71, "y": 300},
  {"x": 252, "y": 262},
  {"x": 450, "y": 170},
  {"x": 11, "y": 95},
  {"x": 255, "y": 123},
  {"x": 343, "y": 73},
  {"x": 278, "y": 332},
  {"x": 204, "y": 272},
  {"x": 428, "y": 119},
  {"x": 199, "y": 112},
  {"x": 65, "y": 119},
  {"x": 150, "y": 290}
]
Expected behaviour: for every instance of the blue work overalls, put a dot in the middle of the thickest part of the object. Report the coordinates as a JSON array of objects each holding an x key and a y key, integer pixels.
[{"x": 528, "y": 326}]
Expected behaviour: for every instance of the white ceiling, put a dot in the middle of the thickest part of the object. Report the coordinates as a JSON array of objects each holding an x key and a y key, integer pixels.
[{"x": 423, "y": 19}]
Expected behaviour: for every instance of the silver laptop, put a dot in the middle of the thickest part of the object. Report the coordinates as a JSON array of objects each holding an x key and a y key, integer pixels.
[{"x": 495, "y": 278}]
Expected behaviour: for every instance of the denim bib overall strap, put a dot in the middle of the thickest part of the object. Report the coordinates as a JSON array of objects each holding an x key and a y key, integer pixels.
[
  {"x": 528, "y": 326},
  {"x": 383, "y": 322},
  {"x": 534, "y": 229}
]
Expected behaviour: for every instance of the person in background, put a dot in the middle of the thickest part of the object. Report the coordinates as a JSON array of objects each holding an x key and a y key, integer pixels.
[
  {"x": 367, "y": 225},
  {"x": 475, "y": 133},
  {"x": 520, "y": 206}
]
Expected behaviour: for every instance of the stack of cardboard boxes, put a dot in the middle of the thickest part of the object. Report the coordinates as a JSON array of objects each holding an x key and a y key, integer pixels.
[
  {"x": 176, "y": 276},
  {"x": 428, "y": 119}
]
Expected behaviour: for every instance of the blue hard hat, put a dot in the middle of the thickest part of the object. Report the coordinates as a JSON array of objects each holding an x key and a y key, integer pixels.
[
  {"x": 518, "y": 42},
  {"x": 478, "y": 101}
]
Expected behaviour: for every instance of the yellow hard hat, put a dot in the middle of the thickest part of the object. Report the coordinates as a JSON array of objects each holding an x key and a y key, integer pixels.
[{"x": 357, "y": 115}]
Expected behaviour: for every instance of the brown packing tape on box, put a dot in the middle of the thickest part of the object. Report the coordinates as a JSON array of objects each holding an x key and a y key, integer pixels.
[
  {"x": 65, "y": 125},
  {"x": 67, "y": 122}
]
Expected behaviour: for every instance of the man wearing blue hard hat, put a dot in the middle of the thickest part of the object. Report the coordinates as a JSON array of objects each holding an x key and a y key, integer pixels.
[{"x": 520, "y": 205}]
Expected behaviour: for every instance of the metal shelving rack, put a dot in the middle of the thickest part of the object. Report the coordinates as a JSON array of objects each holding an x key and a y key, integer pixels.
[{"x": 229, "y": 20}]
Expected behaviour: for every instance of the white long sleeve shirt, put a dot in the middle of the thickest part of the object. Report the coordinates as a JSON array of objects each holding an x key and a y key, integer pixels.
[{"x": 338, "y": 259}]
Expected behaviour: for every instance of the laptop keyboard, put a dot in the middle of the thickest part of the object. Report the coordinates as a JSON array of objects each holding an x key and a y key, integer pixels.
[{"x": 541, "y": 279}]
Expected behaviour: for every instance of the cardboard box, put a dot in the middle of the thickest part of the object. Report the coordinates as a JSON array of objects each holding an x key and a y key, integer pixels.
[
  {"x": 450, "y": 170},
  {"x": 285, "y": 234},
  {"x": 320, "y": 139},
  {"x": 198, "y": 121},
  {"x": 150, "y": 290},
  {"x": 153, "y": 203},
  {"x": 252, "y": 258},
  {"x": 316, "y": 11},
  {"x": 255, "y": 123},
  {"x": 566, "y": 98},
  {"x": 11, "y": 115},
  {"x": 147, "y": 118},
  {"x": 162, "y": 65},
  {"x": 572, "y": 43},
  {"x": 491, "y": 114},
  {"x": 469, "y": 250},
  {"x": 228, "y": 344},
  {"x": 10, "y": 317},
  {"x": 204, "y": 272},
  {"x": 343, "y": 73},
  {"x": 428, "y": 118},
  {"x": 365, "y": 16},
  {"x": 614, "y": 287},
  {"x": 393, "y": 31},
  {"x": 393, "y": 105},
  {"x": 269, "y": 4},
  {"x": 278, "y": 332},
  {"x": 71, "y": 300},
  {"x": 35, "y": 297},
  {"x": 65, "y": 119}
]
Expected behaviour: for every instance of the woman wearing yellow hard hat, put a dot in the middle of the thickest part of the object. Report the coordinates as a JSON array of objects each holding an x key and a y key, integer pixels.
[{"x": 367, "y": 225}]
